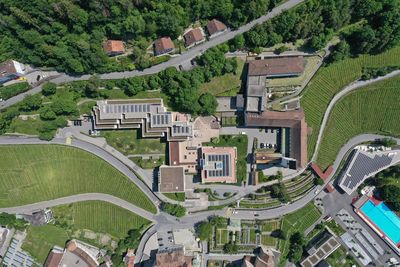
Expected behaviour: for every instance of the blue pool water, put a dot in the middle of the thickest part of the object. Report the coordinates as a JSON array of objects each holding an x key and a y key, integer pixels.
[{"x": 387, "y": 221}]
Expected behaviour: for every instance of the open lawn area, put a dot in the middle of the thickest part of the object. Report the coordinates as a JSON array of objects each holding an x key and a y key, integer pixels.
[
  {"x": 240, "y": 142},
  {"x": 297, "y": 221},
  {"x": 99, "y": 217},
  {"x": 340, "y": 258},
  {"x": 176, "y": 196},
  {"x": 29, "y": 126},
  {"x": 9, "y": 91},
  {"x": 130, "y": 142},
  {"x": 41, "y": 239},
  {"x": 225, "y": 85},
  {"x": 33, "y": 173},
  {"x": 330, "y": 79},
  {"x": 372, "y": 109}
]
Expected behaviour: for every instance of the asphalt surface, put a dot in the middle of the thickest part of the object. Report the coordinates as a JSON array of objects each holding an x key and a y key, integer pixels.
[{"x": 173, "y": 62}]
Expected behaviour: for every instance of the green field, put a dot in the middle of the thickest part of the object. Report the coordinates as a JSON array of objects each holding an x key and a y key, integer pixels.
[
  {"x": 130, "y": 142},
  {"x": 176, "y": 196},
  {"x": 9, "y": 91},
  {"x": 297, "y": 221},
  {"x": 330, "y": 79},
  {"x": 225, "y": 85},
  {"x": 99, "y": 217},
  {"x": 372, "y": 109},
  {"x": 240, "y": 142},
  {"x": 30, "y": 126},
  {"x": 32, "y": 173},
  {"x": 41, "y": 239}
]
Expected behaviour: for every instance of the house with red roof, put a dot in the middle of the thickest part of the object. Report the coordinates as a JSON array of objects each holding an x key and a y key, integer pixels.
[
  {"x": 114, "y": 47},
  {"x": 163, "y": 46},
  {"x": 215, "y": 27},
  {"x": 194, "y": 37}
]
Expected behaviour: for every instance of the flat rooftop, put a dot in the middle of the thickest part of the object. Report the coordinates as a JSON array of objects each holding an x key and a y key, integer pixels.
[
  {"x": 218, "y": 164},
  {"x": 171, "y": 179}
]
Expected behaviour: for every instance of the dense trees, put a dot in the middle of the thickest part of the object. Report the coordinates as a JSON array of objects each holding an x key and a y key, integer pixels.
[
  {"x": 297, "y": 242},
  {"x": 49, "y": 89},
  {"x": 9, "y": 220},
  {"x": 388, "y": 188},
  {"x": 204, "y": 230},
  {"x": 68, "y": 35},
  {"x": 173, "y": 209}
]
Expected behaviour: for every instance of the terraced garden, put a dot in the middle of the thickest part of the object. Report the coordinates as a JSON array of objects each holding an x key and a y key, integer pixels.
[
  {"x": 372, "y": 109},
  {"x": 330, "y": 79},
  {"x": 33, "y": 173},
  {"x": 297, "y": 221}
]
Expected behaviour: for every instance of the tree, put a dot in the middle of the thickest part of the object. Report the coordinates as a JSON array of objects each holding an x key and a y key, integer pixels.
[
  {"x": 340, "y": 51},
  {"x": 208, "y": 104},
  {"x": 49, "y": 88},
  {"x": 296, "y": 247},
  {"x": 31, "y": 102},
  {"x": 64, "y": 107},
  {"x": 173, "y": 209},
  {"x": 204, "y": 230},
  {"x": 47, "y": 113},
  {"x": 318, "y": 181},
  {"x": 231, "y": 248},
  {"x": 92, "y": 86},
  {"x": 9, "y": 220}
]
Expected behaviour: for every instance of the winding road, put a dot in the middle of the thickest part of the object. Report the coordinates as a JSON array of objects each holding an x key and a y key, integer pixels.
[{"x": 173, "y": 62}]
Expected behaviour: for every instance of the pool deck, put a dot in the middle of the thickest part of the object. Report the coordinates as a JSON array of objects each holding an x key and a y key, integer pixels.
[{"x": 358, "y": 210}]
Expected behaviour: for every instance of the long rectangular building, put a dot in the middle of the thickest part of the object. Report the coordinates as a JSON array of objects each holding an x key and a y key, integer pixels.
[
  {"x": 292, "y": 121},
  {"x": 148, "y": 114}
]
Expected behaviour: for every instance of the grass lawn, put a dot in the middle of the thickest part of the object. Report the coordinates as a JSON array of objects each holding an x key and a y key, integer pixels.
[
  {"x": 335, "y": 227},
  {"x": 269, "y": 226},
  {"x": 41, "y": 239},
  {"x": 297, "y": 221},
  {"x": 176, "y": 196},
  {"x": 340, "y": 258},
  {"x": 225, "y": 85},
  {"x": 268, "y": 240},
  {"x": 29, "y": 126},
  {"x": 148, "y": 163},
  {"x": 240, "y": 142},
  {"x": 33, "y": 173},
  {"x": 130, "y": 142},
  {"x": 330, "y": 79},
  {"x": 99, "y": 217},
  {"x": 372, "y": 109},
  {"x": 86, "y": 107},
  {"x": 9, "y": 91}
]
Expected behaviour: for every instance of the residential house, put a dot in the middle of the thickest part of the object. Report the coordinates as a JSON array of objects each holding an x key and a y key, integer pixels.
[
  {"x": 215, "y": 28},
  {"x": 10, "y": 70},
  {"x": 194, "y": 37},
  {"x": 114, "y": 47},
  {"x": 163, "y": 46}
]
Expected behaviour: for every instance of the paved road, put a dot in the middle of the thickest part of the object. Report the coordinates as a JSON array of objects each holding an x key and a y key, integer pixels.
[
  {"x": 78, "y": 198},
  {"x": 173, "y": 62}
]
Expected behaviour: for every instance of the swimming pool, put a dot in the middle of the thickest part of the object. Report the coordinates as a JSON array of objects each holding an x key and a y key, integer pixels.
[{"x": 385, "y": 219}]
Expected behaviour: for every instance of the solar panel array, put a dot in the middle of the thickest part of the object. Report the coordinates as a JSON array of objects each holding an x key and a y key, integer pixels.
[
  {"x": 160, "y": 120},
  {"x": 220, "y": 163},
  {"x": 181, "y": 130},
  {"x": 127, "y": 108},
  {"x": 363, "y": 166},
  {"x": 15, "y": 257}
]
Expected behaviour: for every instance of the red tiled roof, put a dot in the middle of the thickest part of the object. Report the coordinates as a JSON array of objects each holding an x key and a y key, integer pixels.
[
  {"x": 193, "y": 36},
  {"x": 53, "y": 259},
  {"x": 113, "y": 46},
  {"x": 276, "y": 66},
  {"x": 215, "y": 26},
  {"x": 322, "y": 175},
  {"x": 163, "y": 45},
  {"x": 289, "y": 119}
]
